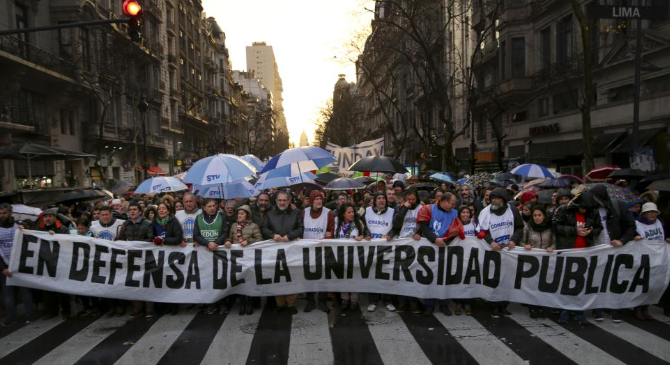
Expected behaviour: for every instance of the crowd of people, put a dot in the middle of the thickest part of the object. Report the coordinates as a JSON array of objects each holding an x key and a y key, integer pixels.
[{"x": 381, "y": 212}]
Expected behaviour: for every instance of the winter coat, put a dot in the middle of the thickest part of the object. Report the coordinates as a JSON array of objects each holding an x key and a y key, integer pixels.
[
  {"x": 140, "y": 231},
  {"x": 564, "y": 222},
  {"x": 620, "y": 222},
  {"x": 174, "y": 233},
  {"x": 284, "y": 223},
  {"x": 538, "y": 239},
  {"x": 250, "y": 233},
  {"x": 197, "y": 236}
]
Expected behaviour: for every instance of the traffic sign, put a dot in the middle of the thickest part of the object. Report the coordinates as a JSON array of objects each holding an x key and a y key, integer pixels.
[{"x": 627, "y": 12}]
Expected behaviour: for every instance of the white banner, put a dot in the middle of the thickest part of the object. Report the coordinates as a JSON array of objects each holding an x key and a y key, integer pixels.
[
  {"x": 346, "y": 156},
  {"x": 598, "y": 277}
]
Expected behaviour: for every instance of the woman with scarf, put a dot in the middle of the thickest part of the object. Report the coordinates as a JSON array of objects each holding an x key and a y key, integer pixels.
[
  {"x": 538, "y": 234},
  {"x": 470, "y": 229},
  {"x": 527, "y": 213},
  {"x": 244, "y": 232},
  {"x": 349, "y": 225}
]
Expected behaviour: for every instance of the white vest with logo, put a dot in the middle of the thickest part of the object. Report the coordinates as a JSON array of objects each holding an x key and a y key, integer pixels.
[
  {"x": 653, "y": 232},
  {"x": 315, "y": 228},
  {"x": 187, "y": 221},
  {"x": 501, "y": 227},
  {"x": 470, "y": 229},
  {"x": 106, "y": 233},
  {"x": 409, "y": 223},
  {"x": 379, "y": 224}
]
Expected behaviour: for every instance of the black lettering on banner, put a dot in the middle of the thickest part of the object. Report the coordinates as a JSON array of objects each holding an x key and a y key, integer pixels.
[
  {"x": 544, "y": 285},
  {"x": 404, "y": 257},
  {"x": 114, "y": 265},
  {"x": 133, "y": 268},
  {"x": 234, "y": 268},
  {"x": 82, "y": 274},
  {"x": 153, "y": 270},
  {"x": 379, "y": 268},
  {"x": 281, "y": 267},
  {"x": 522, "y": 271},
  {"x": 26, "y": 253},
  {"x": 473, "y": 268},
  {"x": 440, "y": 265},
  {"x": 98, "y": 262},
  {"x": 575, "y": 269},
  {"x": 425, "y": 276},
  {"x": 193, "y": 272},
  {"x": 306, "y": 264},
  {"x": 491, "y": 258},
  {"x": 48, "y": 257},
  {"x": 593, "y": 265},
  {"x": 350, "y": 262},
  {"x": 175, "y": 281},
  {"x": 220, "y": 281},
  {"x": 454, "y": 277},
  {"x": 626, "y": 261},
  {"x": 641, "y": 276},
  {"x": 607, "y": 273},
  {"x": 332, "y": 264},
  {"x": 364, "y": 264},
  {"x": 258, "y": 268}
]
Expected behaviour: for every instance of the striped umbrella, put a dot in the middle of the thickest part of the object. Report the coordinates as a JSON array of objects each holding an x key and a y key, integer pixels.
[{"x": 532, "y": 170}]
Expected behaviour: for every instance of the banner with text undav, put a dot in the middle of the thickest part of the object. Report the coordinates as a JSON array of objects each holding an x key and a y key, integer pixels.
[
  {"x": 346, "y": 156},
  {"x": 597, "y": 277}
]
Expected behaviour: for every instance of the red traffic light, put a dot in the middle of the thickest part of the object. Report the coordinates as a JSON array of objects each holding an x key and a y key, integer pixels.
[{"x": 132, "y": 8}]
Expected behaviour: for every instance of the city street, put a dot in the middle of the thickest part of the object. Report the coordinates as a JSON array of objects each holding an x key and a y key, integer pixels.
[{"x": 356, "y": 337}]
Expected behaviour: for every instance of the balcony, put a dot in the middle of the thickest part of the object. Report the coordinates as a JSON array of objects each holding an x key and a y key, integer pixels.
[
  {"x": 514, "y": 15},
  {"x": 558, "y": 71},
  {"x": 210, "y": 64},
  {"x": 37, "y": 56},
  {"x": 152, "y": 7}
]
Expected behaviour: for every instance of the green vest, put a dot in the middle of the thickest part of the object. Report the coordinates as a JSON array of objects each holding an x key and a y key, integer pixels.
[{"x": 210, "y": 231}]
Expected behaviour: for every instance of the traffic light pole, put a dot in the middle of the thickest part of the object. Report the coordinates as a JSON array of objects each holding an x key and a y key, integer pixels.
[
  {"x": 63, "y": 26},
  {"x": 637, "y": 84}
]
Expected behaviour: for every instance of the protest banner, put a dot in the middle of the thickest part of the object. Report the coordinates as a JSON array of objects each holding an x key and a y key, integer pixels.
[
  {"x": 598, "y": 277},
  {"x": 346, "y": 156}
]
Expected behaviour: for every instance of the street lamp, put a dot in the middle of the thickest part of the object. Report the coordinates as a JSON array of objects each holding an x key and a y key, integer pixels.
[{"x": 143, "y": 106}]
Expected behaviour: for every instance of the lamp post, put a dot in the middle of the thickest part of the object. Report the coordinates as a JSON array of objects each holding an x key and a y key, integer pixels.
[{"x": 143, "y": 106}]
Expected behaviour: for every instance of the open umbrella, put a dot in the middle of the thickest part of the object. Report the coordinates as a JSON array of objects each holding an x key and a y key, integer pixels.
[
  {"x": 344, "y": 183},
  {"x": 660, "y": 185},
  {"x": 120, "y": 187},
  {"x": 30, "y": 152},
  {"x": 558, "y": 182},
  {"x": 502, "y": 176},
  {"x": 462, "y": 181},
  {"x": 423, "y": 186},
  {"x": 236, "y": 189},
  {"x": 535, "y": 182},
  {"x": 572, "y": 178},
  {"x": 644, "y": 183},
  {"x": 442, "y": 177},
  {"x": 157, "y": 185},
  {"x": 614, "y": 192},
  {"x": 219, "y": 169},
  {"x": 304, "y": 158},
  {"x": 253, "y": 161},
  {"x": 378, "y": 164},
  {"x": 21, "y": 212},
  {"x": 628, "y": 174},
  {"x": 84, "y": 195},
  {"x": 545, "y": 196},
  {"x": 265, "y": 181},
  {"x": 531, "y": 170},
  {"x": 326, "y": 177},
  {"x": 602, "y": 172}
]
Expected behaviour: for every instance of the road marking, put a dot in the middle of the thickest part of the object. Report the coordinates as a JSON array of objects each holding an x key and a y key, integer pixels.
[
  {"x": 15, "y": 340},
  {"x": 640, "y": 338},
  {"x": 310, "y": 339},
  {"x": 232, "y": 342}
]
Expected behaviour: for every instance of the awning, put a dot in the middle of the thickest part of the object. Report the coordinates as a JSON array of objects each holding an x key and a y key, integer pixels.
[
  {"x": 643, "y": 138},
  {"x": 556, "y": 149},
  {"x": 604, "y": 143},
  {"x": 154, "y": 171}
]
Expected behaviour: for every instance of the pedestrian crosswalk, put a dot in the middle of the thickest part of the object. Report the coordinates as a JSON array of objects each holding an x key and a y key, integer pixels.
[{"x": 359, "y": 337}]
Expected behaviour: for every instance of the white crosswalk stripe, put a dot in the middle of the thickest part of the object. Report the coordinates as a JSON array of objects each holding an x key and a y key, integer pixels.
[
  {"x": 77, "y": 346},
  {"x": 657, "y": 313},
  {"x": 155, "y": 343},
  {"x": 311, "y": 342},
  {"x": 572, "y": 346}
]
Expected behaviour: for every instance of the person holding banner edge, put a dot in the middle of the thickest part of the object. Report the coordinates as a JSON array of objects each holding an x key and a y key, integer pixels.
[{"x": 379, "y": 220}]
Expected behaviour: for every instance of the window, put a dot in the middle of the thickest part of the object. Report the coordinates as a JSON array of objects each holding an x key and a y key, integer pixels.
[
  {"x": 565, "y": 101},
  {"x": 564, "y": 41},
  {"x": 481, "y": 128},
  {"x": 63, "y": 121},
  {"x": 72, "y": 115},
  {"x": 518, "y": 57},
  {"x": 545, "y": 49},
  {"x": 622, "y": 93},
  {"x": 656, "y": 85},
  {"x": 503, "y": 58},
  {"x": 543, "y": 107},
  {"x": 21, "y": 20},
  {"x": 85, "y": 48}
]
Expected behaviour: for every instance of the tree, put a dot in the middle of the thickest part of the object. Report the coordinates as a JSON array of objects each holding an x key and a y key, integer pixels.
[{"x": 260, "y": 130}]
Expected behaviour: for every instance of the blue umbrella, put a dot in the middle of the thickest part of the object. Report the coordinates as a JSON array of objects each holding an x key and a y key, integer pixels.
[
  {"x": 157, "y": 185},
  {"x": 265, "y": 181},
  {"x": 253, "y": 161},
  {"x": 462, "y": 181},
  {"x": 555, "y": 183},
  {"x": 532, "y": 170},
  {"x": 219, "y": 169},
  {"x": 237, "y": 189},
  {"x": 305, "y": 158},
  {"x": 442, "y": 177}
]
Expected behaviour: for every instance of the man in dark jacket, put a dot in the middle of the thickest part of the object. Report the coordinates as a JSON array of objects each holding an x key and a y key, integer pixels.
[
  {"x": 261, "y": 208},
  {"x": 136, "y": 228},
  {"x": 618, "y": 229},
  {"x": 283, "y": 224},
  {"x": 577, "y": 224},
  {"x": 54, "y": 301}
]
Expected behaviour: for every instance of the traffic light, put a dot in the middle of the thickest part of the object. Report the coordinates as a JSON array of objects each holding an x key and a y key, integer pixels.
[{"x": 133, "y": 10}]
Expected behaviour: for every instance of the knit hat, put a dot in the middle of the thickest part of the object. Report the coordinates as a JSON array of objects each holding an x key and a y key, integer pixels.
[
  {"x": 649, "y": 207},
  {"x": 500, "y": 193},
  {"x": 527, "y": 196},
  {"x": 51, "y": 211},
  {"x": 246, "y": 209},
  {"x": 314, "y": 194},
  {"x": 564, "y": 193}
]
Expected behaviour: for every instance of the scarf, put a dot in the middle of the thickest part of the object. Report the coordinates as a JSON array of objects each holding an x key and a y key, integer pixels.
[
  {"x": 347, "y": 228},
  {"x": 240, "y": 227},
  {"x": 545, "y": 225},
  {"x": 162, "y": 221}
]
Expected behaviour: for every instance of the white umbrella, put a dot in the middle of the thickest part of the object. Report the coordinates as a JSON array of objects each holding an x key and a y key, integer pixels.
[
  {"x": 237, "y": 189},
  {"x": 266, "y": 181},
  {"x": 157, "y": 185},
  {"x": 21, "y": 212},
  {"x": 219, "y": 169}
]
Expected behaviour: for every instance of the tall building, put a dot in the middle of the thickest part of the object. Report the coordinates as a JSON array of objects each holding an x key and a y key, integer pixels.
[
  {"x": 304, "y": 141},
  {"x": 261, "y": 61},
  {"x": 261, "y": 123}
]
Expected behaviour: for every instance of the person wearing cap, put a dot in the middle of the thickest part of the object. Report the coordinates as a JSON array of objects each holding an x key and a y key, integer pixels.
[
  {"x": 244, "y": 232},
  {"x": 649, "y": 228},
  {"x": 500, "y": 226},
  {"x": 318, "y": 223},
  {"x": 118, "y": 209},
  {"x": 398, "y": 186}
]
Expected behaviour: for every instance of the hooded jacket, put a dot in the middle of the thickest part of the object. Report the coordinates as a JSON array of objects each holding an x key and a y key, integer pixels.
[
  {"x": 251, "y": 233},
  {"x": 620, "y": 222},
  {"x": 564, "y": 222}
]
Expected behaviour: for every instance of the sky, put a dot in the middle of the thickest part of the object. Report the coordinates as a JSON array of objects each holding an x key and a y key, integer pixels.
[{"x": 309, "y": 40}]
